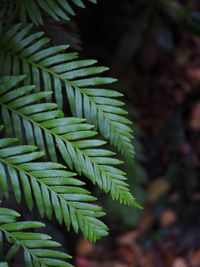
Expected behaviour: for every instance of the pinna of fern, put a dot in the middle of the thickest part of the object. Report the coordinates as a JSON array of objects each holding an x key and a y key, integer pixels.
[
  {"x": 52, "y": 188},
  {"x": 32, "y": 9},
  {"x": 46, "y": 127},
  {"x": 37, "y": 246},
  {"x": 51, "y": 67}
]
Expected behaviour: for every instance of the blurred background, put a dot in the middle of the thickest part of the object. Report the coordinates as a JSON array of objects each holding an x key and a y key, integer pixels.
[{"x": 153, "y": 48}]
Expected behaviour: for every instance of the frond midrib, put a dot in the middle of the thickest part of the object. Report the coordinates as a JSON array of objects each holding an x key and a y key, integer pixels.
[
  {"x": 60, "y": 137},
  {"x": 75, "y": 86}
]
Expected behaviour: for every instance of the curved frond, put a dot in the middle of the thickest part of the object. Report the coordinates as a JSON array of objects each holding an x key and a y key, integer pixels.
[
  {"x": 52, "y": 188},
  {"x": 36, "y": 246},
  {"x": 45, "y": 126},
  {"x": 32, "y": 9},
  {"x": 53, "y": 68}
]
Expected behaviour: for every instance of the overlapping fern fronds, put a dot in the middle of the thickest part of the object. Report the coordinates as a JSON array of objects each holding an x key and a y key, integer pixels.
[
  {"x": 36, "y": 246},
  {"x": 46, "y": 127},
  {"x": 52, "y": 188},
  {"x": 32, "y": 9},
  {"x": 51, "y": 67},
  {"x": 28, "y": 114}
]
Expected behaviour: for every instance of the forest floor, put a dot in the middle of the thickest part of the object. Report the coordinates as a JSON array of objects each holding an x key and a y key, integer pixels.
[{"x": 166, "y": 96}]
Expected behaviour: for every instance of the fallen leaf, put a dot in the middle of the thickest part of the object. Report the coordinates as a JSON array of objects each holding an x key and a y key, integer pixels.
[
  {"x": 128, "y": 238},
  {"x": 84, "y": 248},
  {"x": 126, "y": 254},
  {"x": 195, "y": 258},
  {"x": 148, "y": 259},
  {"x": 82, "y": 262},
  {"x": 157, "y": 188},
  {"x": 167, "y": 218},
  {"x": 180, "y": 262}
]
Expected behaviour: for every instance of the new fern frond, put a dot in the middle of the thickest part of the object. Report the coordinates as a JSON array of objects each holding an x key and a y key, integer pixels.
[
  {"x": 35, "y": 245},
  {"x": 32, "y": 9},
  {"x": 54, "y": 189},
  {"x": 43, "y": 123},
  {"x": 51, "y": 68}
]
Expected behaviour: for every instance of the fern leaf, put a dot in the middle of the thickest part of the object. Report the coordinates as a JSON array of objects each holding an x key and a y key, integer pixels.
[
  {"x": 52, "y": 187},
  {"x": 32, "y": 9},
  {"x": 51, "y": 68},
  {"x": 71, "y": 135},
  {"x": 35, "y": 245}
]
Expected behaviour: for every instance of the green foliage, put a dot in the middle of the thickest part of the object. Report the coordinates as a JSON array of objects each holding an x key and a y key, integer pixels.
[
  {"x": 59, "y": 69},
  {"x": 54, "y": 189},
  {"x": 34, "y": 244},
  {"x": 33, "y": 75},
  {"x": 32, "y": 9},
  {"x": 44, "y": 123}
]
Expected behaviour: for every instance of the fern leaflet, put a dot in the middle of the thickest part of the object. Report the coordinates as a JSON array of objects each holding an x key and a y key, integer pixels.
[
  {"x": 45, "y": 126},
  {"x": 54, "y": 189},
  {"x": 35, "y": 245},
  {"x": 51, "y": 68},
  {"x": 57, "y": 9}
]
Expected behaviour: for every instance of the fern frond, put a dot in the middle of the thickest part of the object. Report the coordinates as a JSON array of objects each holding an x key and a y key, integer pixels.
[
  {"x": 53, "y": 188},
  {"x": 51, "y": 68},
  {"x": 45, "y": 126},
  {"x": 35, "y": 245},
  {"x": 32, "y": 9}
]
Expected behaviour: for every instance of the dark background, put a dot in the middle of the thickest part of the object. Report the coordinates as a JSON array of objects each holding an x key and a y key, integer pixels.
[{"x": 155, "y": 54}]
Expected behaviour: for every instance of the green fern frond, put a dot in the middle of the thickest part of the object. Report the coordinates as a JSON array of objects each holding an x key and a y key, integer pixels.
[
  {"x": 51, "y": 68},
  {"x": 57, "y": 9},
  {"x": 35, "y": 245},
  {"x": 45, "y": 126},
  {"x": 53, "y": 188}
]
